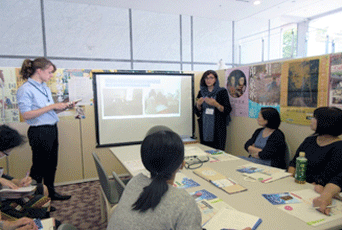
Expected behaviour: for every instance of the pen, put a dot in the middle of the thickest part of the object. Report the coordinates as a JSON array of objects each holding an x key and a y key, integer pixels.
[
  {"x": 329, "y": 206},
  {"x": 26, "y": 176}
]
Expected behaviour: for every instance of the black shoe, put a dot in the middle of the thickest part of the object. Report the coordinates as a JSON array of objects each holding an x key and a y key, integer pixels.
[
  {"x": 52, "y": 209},
  {"x": 57, "y": 196}
]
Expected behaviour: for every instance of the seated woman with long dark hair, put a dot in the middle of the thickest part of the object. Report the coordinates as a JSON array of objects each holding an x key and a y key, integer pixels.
[{"x": 153, "y": 203}]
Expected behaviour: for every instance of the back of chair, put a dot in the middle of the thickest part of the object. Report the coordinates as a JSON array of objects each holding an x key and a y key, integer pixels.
[
  {"x": 104, "y": 181},
  {"x": 287, "y": 155},
  {"x": 119, "y": 185},
  {"x": 66, "y": 227}
]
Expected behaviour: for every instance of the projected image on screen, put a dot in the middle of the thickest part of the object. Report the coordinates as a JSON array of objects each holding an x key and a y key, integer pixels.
[
  {"x": 159, "y": 101},
  {"x": 122, "y": 102},
  {"x": 129, "y": 104}
]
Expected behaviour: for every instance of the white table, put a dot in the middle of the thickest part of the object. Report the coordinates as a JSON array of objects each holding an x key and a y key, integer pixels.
[{"x": 250, "y": 201}]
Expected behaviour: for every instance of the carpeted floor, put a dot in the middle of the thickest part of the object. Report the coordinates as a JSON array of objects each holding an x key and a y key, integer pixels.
[{"x": 83, "y": 209}]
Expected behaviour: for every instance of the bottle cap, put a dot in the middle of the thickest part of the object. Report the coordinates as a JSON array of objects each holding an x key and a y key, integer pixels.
[{"x": 302, "y": 154}]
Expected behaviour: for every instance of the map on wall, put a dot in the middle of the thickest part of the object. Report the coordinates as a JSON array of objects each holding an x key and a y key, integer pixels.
[
  {"x": 236, "y": 84},
  {"x": 304, "y": 88},
  {"x": 335, "y": 95},
  {"x": 264, "y": 87}
]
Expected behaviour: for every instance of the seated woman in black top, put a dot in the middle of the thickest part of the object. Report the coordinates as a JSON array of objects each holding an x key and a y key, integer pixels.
[
  {"x": 267, "y": 145},
  {"x": 324, "y": 153}
]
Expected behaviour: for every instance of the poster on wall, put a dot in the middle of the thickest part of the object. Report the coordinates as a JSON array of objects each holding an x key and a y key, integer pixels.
[
  {"x": 236, "y": 84},
  {"x": 264, "y": 87},
  {"x": 8, "y": 100},
  {"x": 80, "y": 85},
  {"x": 304, "y": 88},
  {"x": 335, "y": 90}
]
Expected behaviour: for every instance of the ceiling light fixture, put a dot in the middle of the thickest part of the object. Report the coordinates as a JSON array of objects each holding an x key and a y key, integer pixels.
[{"x": 257, "y": 2}]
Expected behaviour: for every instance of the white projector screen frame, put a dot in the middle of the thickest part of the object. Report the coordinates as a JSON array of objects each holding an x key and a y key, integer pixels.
[{"x": 128, "y": 104}]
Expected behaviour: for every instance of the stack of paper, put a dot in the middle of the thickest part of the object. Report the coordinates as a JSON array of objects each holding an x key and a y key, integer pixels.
[
  {"x": 303, "y": 209},
  {"x": 209, "y": 208},
  {"x": 217, "y": 179},
  {"x": 9, "y": 193},
  {"x": 263, "y": 173},
  {"x": 219, "y": 155},
  {"x": 232, "y": 219}
]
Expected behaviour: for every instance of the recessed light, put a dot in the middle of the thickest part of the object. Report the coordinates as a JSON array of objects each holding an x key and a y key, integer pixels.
[{"x": 257, "y": 2}]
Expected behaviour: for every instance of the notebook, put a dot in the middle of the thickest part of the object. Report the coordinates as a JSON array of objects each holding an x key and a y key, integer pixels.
[{"x": 232, "y": 219}]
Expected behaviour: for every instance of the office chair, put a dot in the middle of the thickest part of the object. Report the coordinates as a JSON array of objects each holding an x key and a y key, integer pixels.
[
  {"x": 66, "y": 227},
  {"x": 119, "y": 184},
  {"x": 110, "y": 191},
  {"x": 287, "y": 155}
]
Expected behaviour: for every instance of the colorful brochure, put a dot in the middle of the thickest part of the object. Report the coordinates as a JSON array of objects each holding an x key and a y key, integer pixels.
[{"x": 182, "y": 181}]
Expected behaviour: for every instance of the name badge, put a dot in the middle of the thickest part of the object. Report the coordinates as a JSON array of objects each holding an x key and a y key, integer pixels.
[{"x": 209, "y": 111}]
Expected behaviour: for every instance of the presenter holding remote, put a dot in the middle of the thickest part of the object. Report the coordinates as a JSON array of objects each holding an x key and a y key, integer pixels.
[
  {"x": 40, "y": 112},
  {"x": 213, "y": 109}
]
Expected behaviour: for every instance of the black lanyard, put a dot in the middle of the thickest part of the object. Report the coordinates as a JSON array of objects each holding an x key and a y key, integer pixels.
[{"x": 45, "y": 94}]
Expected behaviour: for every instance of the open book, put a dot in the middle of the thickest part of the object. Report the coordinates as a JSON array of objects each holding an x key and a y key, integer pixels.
[
  {"x": 232, "y": 219},
  {"x": 9, "y": 193}
]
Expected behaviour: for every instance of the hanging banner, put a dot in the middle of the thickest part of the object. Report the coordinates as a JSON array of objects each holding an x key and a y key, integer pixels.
[
  {"x": 335, "y": 90},
  {"x": 304, "y": 88},
  {"x": 264, "y": 87},
  {"x": 237, "y": 86}
]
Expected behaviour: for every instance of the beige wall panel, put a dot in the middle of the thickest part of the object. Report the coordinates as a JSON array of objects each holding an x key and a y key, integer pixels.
[
  {"x": 70, "y": 156},
  {"x": 69, "y": 159},
  {"x": 110, "y": 163},
  {"x": 20, "y": 160}
]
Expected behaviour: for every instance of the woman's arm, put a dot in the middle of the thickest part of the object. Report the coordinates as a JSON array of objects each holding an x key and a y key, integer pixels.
[
  {"x": 198, "y": 109},
  {"x": 291, "y": 170},
  {"x": 251, "y": 141},
  {"x": 274, "y": 146},
  {"x": 327, "y": 193},
  {"x": 38, "y": 112}
]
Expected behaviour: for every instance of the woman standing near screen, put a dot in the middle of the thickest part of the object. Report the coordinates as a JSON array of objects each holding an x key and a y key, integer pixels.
[
  {"x": 39, "y": 111},
  {"x": 212, "y": 108}
]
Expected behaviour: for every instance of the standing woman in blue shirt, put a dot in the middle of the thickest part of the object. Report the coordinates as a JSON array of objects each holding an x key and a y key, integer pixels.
[{"x": 39, "y": 111}]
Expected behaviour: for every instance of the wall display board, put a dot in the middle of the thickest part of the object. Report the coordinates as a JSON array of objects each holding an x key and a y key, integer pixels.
[
  {"x": 127, "y": 104},
  {"x": 335, "y": 90},
  {"x": 237, "y": 86},
  {"x": 264, "y": 87},
  {"x": 8, "y": 100},
  {"x": 304, "y": 88}
]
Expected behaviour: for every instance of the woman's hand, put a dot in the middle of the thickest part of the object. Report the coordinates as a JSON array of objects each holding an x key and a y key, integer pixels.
[
  {"x": 21, "y": 224},
  {"x": 322, "y": 202},
  {"x": 326, "y": 194},
  {"x": 8, "y": 183},
  {"x": 210, "y": 101},
  {"x": 24, "y": 182},
  {"x": 60, "y": 106},
  {"x": 199, "y": 103},
  {"x": 254, "y": 151}
]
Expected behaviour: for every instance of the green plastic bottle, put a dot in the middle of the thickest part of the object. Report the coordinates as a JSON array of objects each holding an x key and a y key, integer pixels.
[{"x": 301, "y": 163}]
